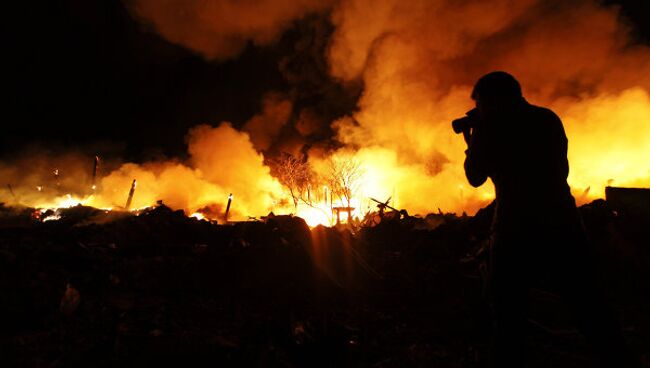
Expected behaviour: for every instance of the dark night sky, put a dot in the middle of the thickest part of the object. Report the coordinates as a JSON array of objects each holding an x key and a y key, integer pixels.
[{"x": 76, "y": 72}]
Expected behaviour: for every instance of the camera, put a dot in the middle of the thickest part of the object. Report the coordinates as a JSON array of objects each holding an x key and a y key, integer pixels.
[{"x": 465, "y": 123}]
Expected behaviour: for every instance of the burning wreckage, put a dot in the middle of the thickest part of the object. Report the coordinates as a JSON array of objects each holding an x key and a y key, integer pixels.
[{"x": 84, "y": 285}]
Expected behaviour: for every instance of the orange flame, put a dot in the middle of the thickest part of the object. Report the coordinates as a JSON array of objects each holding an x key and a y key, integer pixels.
[{"x": 417, "y": 60}]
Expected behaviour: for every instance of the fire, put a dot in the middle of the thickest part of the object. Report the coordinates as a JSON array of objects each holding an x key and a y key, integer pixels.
[
  {"x": 413, "y": 177},
  {"x": 65, "y": 201},
  {"x": 198, "y": 216},
  {"x": 53, "y": 217},
  {"x": 612, "y": 141},
  {"x": 315, "y": 216},
  {"x": 417, "y": 185},
  {"x": 418, "y": 61}
]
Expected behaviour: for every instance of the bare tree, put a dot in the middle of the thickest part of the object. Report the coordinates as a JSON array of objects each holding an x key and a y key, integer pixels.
[
  {"x": 345, "y": 177},
  {"x": 296, "y": 175}
]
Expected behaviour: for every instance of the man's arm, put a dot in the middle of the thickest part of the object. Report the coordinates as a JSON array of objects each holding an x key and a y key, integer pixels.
[
  {"x": 476, "y": 158},
  {"x": 560, "y": 148}
]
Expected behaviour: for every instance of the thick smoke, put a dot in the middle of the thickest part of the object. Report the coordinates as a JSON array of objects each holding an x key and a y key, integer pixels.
[
  {"x": 222, "y": 161},
  {"x": 418, "y": 60},
  {"x": 227, "y": 158},
  {"x": 265, "y": 127},
  {"x": 39, "y": 174},
  {"x": 220, "y": 29},
  {"x": 300, "y": 116}
]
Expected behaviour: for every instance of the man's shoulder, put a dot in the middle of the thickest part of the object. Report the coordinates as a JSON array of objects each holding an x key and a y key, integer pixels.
[
  {"x": 544, "y": 119},
  {"x": 543, "y": 112}
]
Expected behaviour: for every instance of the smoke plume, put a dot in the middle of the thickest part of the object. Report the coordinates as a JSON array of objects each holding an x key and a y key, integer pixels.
[
  {"x": 221, "y": 29},
  {"x": 417, "y": 61}
]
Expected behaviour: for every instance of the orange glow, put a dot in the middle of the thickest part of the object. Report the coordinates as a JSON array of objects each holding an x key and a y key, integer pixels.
[
  {"x": 65, "y": 201},
  {"x": 198, "y": 216},
  {"x": 315, "y": 216},
  {"x": 417, "y": 61}
]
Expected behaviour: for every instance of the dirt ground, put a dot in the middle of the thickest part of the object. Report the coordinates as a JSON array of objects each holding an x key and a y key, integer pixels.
[{"x": 100, "y": 290}]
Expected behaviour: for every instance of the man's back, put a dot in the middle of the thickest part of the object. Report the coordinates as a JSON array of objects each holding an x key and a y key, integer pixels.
[{"x": 524, "y": 152}]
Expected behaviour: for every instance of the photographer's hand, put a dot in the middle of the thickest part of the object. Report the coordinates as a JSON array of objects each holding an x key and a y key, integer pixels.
[{"x": 468, "y": 136}]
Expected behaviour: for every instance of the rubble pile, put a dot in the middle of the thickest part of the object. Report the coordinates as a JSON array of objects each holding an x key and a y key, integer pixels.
[{"x": 107, "y": 288}]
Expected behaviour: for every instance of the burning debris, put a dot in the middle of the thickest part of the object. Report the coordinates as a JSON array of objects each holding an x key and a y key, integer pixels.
[{"x": 332, "y": 192}]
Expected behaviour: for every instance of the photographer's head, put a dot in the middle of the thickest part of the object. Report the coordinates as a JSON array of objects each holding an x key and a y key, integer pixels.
[{"x": 496, "y": 92}]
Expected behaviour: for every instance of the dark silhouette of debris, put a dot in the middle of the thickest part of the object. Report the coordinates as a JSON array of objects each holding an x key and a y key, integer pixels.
[{"x": 164, "y": 288}]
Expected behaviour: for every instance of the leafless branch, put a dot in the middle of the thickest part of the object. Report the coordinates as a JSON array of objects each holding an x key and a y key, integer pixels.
[
  {"x": 344, "y": 177},
  {"x": 296, "y": 176}
]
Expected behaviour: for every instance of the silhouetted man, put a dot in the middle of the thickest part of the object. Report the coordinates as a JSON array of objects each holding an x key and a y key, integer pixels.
[{"x": 537, "y": 230}]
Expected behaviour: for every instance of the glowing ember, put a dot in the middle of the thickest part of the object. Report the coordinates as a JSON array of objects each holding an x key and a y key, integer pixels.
[
  {"x": 65, "y": 201},
  {"x": 53, "y": 217},
  {"x": 198, "y": 216}
]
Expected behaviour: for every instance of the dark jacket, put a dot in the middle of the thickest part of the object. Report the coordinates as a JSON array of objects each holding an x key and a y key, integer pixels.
[{"x": 524, "y": 153}]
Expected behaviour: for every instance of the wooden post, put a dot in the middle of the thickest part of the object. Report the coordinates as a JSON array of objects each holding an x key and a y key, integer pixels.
[
  {"x": 95, "y": 167},
  {"x": 128, "y": 201},
  {"x": 228, "y": 206}
]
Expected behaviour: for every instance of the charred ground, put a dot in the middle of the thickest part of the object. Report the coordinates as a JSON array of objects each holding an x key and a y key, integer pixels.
[{"x": 107, "y": 289}]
